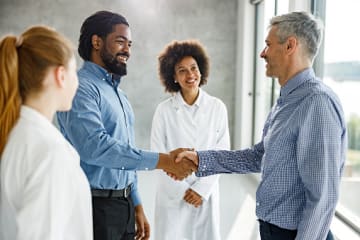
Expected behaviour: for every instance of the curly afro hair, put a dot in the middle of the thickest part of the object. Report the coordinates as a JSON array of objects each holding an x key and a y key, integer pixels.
[{"x": 175, "y": 52}]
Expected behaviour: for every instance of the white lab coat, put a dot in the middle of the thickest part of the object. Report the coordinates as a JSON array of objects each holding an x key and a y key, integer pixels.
[
  {"x": 44, "y": 194},
  {"x": 204, "y": 125}
]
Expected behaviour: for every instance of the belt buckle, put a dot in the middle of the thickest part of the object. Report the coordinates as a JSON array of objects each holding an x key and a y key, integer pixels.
[{"x": 127, "y": 192}]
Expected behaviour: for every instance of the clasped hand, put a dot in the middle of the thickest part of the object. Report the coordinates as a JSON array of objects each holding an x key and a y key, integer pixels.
[{"x": 181, "y": 163}]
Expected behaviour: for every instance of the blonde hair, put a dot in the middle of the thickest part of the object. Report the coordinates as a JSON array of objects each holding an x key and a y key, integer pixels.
[{"x": 24, "y": 62}]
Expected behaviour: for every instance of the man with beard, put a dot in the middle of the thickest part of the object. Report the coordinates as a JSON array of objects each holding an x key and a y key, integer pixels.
[{"x": 100, "y": 127}]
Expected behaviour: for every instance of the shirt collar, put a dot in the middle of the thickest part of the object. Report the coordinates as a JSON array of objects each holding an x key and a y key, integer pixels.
[
  {"x": 296, "y": 81},
  {"x": 198, "y": 102},
  {"x": 38, "y": 120},
  {"x": 101, "y": 73}
]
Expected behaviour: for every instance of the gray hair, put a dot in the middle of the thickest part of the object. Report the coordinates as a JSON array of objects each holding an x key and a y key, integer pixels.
[{"x": 304, "y": 26}]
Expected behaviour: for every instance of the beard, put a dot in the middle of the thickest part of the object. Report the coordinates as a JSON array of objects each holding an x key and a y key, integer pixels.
[{"x": 112, "y": 64}]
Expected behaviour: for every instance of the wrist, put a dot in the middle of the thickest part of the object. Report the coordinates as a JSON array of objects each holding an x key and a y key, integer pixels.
[
  {"x": 139, "y": 209},
  {"x": 161, "y": 162}
]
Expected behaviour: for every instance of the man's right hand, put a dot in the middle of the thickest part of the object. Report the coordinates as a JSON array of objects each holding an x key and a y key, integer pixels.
[
  {"x": 187, "y": 155},
  {"x": 178, "y": 171}
]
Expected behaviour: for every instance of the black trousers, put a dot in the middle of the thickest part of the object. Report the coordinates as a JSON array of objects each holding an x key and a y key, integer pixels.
[
  {"x": 270, "y": 231},
  {"x": 113, "y": 218}
]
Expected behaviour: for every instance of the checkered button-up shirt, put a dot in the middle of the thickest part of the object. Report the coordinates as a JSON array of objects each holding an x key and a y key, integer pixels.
[{"x": 301, "y": 158}]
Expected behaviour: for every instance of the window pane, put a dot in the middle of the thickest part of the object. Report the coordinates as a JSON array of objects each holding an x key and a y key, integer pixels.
[
  {"x": 342, "y": 74},
  {"x": 267, "y": 89}
]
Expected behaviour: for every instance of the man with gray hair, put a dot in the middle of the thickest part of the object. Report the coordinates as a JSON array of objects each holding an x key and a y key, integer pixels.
[{"x": 302, "y": 151}]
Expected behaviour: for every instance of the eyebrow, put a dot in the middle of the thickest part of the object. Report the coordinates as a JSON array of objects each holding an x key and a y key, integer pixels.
[
  {"x": 181, "y": 66},
  {"x": 123, "y": 37}
]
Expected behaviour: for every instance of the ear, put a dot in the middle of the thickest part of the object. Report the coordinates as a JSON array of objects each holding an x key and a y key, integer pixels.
[
  {"x": 96, "y": 42},
  {"x": 291, "y": 45},
  {"x": 60, "y": 73}
]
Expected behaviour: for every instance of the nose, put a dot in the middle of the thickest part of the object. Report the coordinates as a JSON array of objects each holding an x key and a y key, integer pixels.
[
  {"x": 126, "y": 48},
  {"x": 262, "y": 54},
  {"x": 189, "y": 73}
]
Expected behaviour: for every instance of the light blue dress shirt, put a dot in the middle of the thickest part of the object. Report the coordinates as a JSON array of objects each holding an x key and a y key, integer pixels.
[
  {"x": 100, "y": 126},
  {"x": 301, "y": 158}
]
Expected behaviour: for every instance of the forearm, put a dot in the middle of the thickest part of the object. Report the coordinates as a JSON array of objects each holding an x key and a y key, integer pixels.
[
  {"x": 110, "y": 153},
  {"x": 223, "y": 161}
]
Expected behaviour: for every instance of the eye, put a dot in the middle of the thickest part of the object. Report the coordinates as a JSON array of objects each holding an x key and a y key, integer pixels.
[
  {"x": 120, "y": 42},
  {"x": 194, "y": 69}
]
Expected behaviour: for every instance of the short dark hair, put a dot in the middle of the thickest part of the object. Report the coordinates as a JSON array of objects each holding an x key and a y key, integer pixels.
[
  {"x": 175, "y": 52},
  {"x": 100, "y": 23}
]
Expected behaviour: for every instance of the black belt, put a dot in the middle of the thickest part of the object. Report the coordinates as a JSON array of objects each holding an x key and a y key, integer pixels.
[{"x": 125, "y": 192}]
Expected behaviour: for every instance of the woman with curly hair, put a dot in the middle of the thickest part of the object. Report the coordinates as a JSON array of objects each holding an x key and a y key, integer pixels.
[{"x": 187, "y": 209}]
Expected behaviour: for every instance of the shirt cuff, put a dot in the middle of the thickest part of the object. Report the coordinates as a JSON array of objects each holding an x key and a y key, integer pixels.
[
  {"x": 205, "y": 159},
  {"x": 148, "y": 161},
  {"x": 135, "y": 197}
]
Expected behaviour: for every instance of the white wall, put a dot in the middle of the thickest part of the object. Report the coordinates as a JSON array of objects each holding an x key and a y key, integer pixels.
[{"x": 154, "y": 23}]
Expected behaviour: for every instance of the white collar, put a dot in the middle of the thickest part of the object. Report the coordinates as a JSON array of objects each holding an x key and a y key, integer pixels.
[
  {"x": 198, "y": 102},
  {"x": 37, "y": 119}
]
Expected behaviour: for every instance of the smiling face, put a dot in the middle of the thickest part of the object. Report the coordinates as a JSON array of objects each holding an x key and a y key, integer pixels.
[
  {"x": 274, "y": 55},
  {"x": 187, "y": 74},
  {"x": 116, "y": 50}
]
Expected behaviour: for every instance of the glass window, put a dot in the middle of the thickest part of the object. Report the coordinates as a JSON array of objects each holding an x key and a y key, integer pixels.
[
  {"x": 340, "y": 69},
  {"x": 342, "y": 74},
  {"x": 266, "y": 89}
]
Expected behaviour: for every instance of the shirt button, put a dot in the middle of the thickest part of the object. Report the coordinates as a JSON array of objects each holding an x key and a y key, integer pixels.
[
  {"x": 257, "y": 204},
  {"x": 103, "y": 79},
  {"x": 146, "y": 169},
  {"x": 122, "y": 168}
]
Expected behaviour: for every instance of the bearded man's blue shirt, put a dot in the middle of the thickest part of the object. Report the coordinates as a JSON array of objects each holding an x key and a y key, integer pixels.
[{"x": 100, "y": 126}]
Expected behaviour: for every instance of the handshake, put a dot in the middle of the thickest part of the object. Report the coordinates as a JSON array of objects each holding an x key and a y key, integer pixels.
[{"x": 179, "y": 163}]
